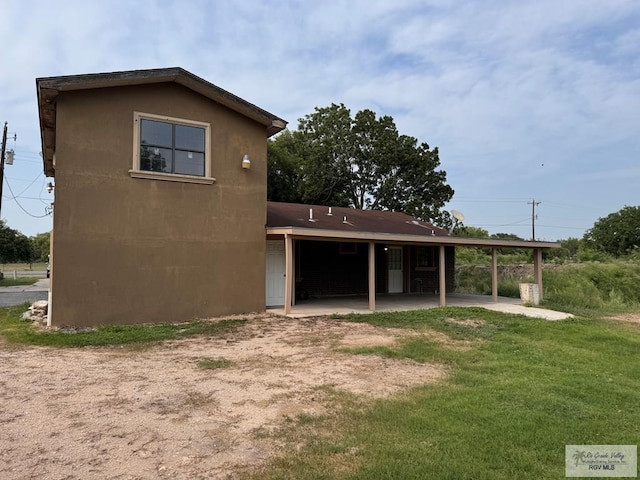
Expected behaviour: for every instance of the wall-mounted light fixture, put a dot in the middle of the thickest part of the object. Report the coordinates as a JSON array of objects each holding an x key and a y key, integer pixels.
[
  {"x": 50, "y": 187},
  {"x": 246, "y": 163}
]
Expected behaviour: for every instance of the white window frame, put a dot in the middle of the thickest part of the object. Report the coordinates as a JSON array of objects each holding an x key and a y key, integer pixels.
[{"x": 135, "y": 171}]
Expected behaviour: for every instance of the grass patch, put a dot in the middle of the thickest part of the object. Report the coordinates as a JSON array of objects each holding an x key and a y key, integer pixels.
[
  {"x": 10, "y": 282},
  {"x": 13, "y": 329},
  {"x": 10, "y": 267},
  {"x": 213, "y": 363},
  {"x": 440, "y": 319},
  {"x": 509, "y": 407}
]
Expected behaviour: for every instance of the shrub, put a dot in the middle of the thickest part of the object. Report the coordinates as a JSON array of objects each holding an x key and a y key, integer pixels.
[{"x": 593, "y": 285}]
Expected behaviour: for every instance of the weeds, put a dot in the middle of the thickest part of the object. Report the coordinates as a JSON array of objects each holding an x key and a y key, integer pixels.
[{"x": 213, "y": 363}]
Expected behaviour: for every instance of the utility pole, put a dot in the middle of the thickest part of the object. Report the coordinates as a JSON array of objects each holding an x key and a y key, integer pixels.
[
  {"x": 533, "y": 204},
  {"x": 4, "y": 148}
]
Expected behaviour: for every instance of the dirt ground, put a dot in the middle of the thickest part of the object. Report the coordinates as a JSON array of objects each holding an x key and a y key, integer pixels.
[
  {"x": 627, "y": 317},
  {"x": 121, "y": 413}
]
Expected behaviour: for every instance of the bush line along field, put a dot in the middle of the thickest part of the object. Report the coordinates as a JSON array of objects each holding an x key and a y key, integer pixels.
[{"x": 575, "y": 287}]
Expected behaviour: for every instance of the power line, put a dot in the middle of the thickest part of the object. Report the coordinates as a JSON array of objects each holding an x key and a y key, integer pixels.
[
  {"x": 24, "y": 197},
  {"x": 22, "y": 208},
  {"x": 28, "y": 186},
  {"x": 563, "y": 226}
]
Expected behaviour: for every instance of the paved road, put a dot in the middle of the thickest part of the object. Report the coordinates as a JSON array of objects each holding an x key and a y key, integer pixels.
[{"x": 24, "y": 293}]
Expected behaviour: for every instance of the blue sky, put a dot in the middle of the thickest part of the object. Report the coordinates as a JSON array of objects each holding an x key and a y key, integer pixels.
[{"x": 524, "y": 99}]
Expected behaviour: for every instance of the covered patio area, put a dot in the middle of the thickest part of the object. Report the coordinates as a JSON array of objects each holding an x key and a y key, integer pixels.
[
  {"x": 370, "y": 260},
  {"x": 395, "y": 303}
]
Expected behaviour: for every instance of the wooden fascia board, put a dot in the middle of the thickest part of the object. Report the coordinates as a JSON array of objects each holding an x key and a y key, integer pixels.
[{"x": 321, "y": 234}]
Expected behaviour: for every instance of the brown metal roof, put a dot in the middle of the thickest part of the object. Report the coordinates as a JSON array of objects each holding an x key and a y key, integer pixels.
[
  {"x": 350, "y": 224},
  {"x": 49, "y": 87},
  {"x": 280, "y": 214}
]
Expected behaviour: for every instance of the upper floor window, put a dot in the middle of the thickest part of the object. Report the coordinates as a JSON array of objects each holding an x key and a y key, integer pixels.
[{"x": 171, "y": 148}]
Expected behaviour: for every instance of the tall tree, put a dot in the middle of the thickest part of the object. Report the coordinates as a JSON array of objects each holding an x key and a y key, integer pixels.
[
  {"x": 41, "y": 244},
  {"x": 362, "y": 162},
  {"x": 14, "y": 246},
  {"x": 283, "y": 175},
  {"x": 617, "y": 233}
]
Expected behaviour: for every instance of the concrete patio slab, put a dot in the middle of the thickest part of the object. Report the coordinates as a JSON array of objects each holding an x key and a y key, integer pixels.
[{"x": 391, "y": 303}]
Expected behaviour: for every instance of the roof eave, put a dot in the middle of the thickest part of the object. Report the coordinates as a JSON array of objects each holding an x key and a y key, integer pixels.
[
  {"x": 48, "y": 89},
  {"x": 404, "y": 238},
  {"x": 47, "y": 115}
]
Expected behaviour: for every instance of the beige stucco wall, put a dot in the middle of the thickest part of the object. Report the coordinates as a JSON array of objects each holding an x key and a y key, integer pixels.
[{"x": 131, "y": 250}]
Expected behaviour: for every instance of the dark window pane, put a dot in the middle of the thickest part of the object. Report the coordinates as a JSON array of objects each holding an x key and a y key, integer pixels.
[
  {"x": 155, "y": 159},
  {"x": 156, "y": 133},
  {"x": 190, "y": 138},
  {"x": 189, "y": 163}
]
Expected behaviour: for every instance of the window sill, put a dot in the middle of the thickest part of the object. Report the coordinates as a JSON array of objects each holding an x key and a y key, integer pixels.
[{"x": 171, "y": 177}]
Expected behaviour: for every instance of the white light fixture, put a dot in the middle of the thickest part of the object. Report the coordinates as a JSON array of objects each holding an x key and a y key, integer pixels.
[
  {"x": 246, "y": 163},
  {"x": 50, "y": 187}
]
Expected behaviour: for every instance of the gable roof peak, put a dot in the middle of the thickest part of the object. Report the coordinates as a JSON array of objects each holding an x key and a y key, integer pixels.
[{"x": 48, "y": 89}]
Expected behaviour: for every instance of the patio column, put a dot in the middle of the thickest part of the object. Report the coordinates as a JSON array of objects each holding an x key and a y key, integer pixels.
[
  {"x": 293, "y": 269},
  {"x": 442, "y": 278},
  {"x": 494, "y": 274},
  {"x": 537, "y": 269},
  {"x": 288, "y": 273},
  {"x": 372, "y": 276}
]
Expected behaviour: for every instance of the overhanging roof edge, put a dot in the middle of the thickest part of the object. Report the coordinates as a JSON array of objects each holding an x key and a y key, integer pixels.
[
  {"x": 403, "y": 238},
  {"x": 48, "y": 88}
]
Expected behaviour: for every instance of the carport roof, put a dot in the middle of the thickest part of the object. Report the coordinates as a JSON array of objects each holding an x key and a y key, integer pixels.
[
  {"x": 345, "y": 219},
  {"x": 342, "y": 223}
]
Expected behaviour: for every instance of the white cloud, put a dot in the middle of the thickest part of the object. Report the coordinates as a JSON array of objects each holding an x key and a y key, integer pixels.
[{"x": 499, "y": 86}]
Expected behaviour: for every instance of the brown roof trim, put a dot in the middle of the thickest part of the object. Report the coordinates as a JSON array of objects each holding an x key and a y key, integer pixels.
[
  {"x": 49, "y": 87},
  {"x": 319, "y": 234}
]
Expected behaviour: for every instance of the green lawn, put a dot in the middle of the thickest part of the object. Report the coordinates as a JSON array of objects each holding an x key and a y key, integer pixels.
[
  {"x": 509, "y": 407},
  {"x": 8, "y": 268},
  {"x": 24, "y": 269},
  {"x": 524, "y": 390},
  {"x": 10, "y": 282},
  {"x": 16, "y": 331}
]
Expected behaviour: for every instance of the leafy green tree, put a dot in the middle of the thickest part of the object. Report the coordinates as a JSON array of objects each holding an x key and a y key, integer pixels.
[
  {"x": 41, "y": 244},
  {"x": 362, "y": 162},
  {"x": 568, "y": 252},
  {"x": 473, "y": 232},
  {"x": 616, "y": 234},
  {"x": 14, "y": 246},
  {"x": 7, "y": 243},
  {"x": 283, "y": 169},
  {"x": 506, "y": 236},
  {"x": 514, "y": 252},
  {"x": 25, "y": 251}
]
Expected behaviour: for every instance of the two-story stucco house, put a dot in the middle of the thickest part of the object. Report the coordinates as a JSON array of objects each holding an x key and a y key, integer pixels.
[
  {"x": 161, "y": 211},
  {"x": 156, "y": 215}
]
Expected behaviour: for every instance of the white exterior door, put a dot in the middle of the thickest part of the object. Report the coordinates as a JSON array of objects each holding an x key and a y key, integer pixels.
[
  {"x": 275, "y": 273},
  {"x": 394, "y": 265}
]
